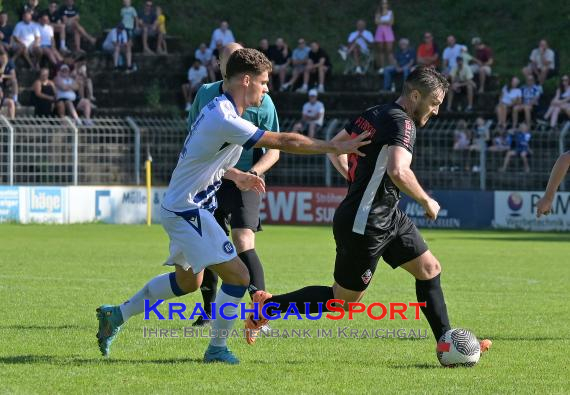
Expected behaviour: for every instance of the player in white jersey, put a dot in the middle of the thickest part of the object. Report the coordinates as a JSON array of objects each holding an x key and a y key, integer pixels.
[{"x": 212, "y": 148}]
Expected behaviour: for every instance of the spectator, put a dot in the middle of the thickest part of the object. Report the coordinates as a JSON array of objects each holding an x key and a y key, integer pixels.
[
  {"x": 405, "y": 59},
  {"x": 197, "y": 75},
  {"x": 384, "y": 19},
  {"x": 27, "y": 40},
  {"x": 129, "y": 18},
  {"x": 461, "y": 136},
  {"x": 79, "y": 72},
  {"x": 216, "y": 60},
  {"x": 299, "y": 61},
  {"x": 43, "y": 94},
  {"x": 66, "y": 97},
  {"x": 5, "y": 31},
  {"x": 313, "y": 114},
  {"x": 70, "y": 17},
  {"x": 31, "y": 6},
  {"x": 47, "y": 41},
  {"x": 461, "y": 79},
  {"x": 519, "y": 143},
  {"x": 8, "y": 85},
  {"x": 359, "y": 43},
  {"x": 117, "y": 42},
  {"x": 510, "y": 97},
  {"x": 499, "y": 143},
  {"x": 482, "y": 62},
  {"x": 428, "y": 54},
  {"x": 223, "y": 34},
  {"x": 264, "y": 47},
  {"x": 531, "y": 93},
  {"x": 481, "y": 134},
  {"x": 542, "y": 63},
  {"x": 280, "y": 58},
  {"x": 318, "y": 63},
  {"x": 204, "y": 55},
  {"x": 161, "y": 47},
  {"x": 450, "y": 55},
  {"x": 57, "y": 24},
  {"x": 560, "y": 102},
  {"x": 147, "y": 25}
]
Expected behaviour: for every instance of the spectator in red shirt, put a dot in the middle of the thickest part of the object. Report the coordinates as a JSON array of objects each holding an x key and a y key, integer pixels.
[
  {"x": 427, "y": 54},
  {"x": 481, "y": 62}
]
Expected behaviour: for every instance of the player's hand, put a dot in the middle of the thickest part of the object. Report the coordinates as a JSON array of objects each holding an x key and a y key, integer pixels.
[
  {"x": 432, "y": 209},
  {"x": 351, "y": 146},
  {"x": 543, "y": 207},
  {"x": 249, "y": 182}
]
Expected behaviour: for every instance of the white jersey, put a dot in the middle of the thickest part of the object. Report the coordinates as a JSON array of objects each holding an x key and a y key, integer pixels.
[{"x": 213, "y": 145}]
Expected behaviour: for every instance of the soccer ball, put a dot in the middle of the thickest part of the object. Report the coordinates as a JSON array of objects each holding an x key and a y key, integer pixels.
[{"x": 458, "y": 347}]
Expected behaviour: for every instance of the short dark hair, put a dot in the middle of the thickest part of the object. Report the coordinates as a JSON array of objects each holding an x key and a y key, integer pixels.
[
  {"x": 426, "y": 80},
  {"x": 247, "y": 61}
]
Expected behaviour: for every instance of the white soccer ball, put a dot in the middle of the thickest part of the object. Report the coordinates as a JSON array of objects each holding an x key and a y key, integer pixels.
[{"x": 458, "y": 347}]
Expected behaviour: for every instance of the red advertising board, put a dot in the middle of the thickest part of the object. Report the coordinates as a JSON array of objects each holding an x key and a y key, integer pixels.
[{"x": 299, "y": 205}]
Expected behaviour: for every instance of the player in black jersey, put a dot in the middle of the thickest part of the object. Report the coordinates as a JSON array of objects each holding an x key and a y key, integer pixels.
[{"x": 368, "y": 223}]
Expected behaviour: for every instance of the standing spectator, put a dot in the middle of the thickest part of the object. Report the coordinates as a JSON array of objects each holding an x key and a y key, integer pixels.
[
  {"x": 359, "y": 42},
  {"x": 560, "y": 102},
  {"x": 204, "y": 55},
  {"x": 482, "y": 62},
  {"x": 461, "y": 78},
  {"x": 428, "y": 53},
  {"x": 384, "y": 19},
  {"x": 27, "y": 40},
  {"x": 5, "y": 31},
  {"x": 542, "y": 62},
  {"x": 531, "y": 93},
  {"x": 280, "y": 58},
  {"x": 450, "y": 55},
  {"x": 319, "y": 62},
  {"x": 47, "y": 41},
  {"x": 510, "y": 97},
  {"x": 117, "y": 42},
  {"x": 405, "y": 59},
  {"x": 147, "y": 25},
  {"x": 313, "y": 114},
  {"x": 43, "y": 94},
  {"x": 70, "y": 17},
  {"x": 197, "y": 75},
  {"x": 8, "y": 84},
  {"x": 224, "y": 34},
  {"x": 299, "y": 61},
  {"x": 57, "y": 24},
  {"x": 129, "y": 18},
  {"x": 66, "y": 97},
  {"x": 31, "y": 6},
  {"x": 161, "y": 47},
  {"x": 519, "y": 142}
]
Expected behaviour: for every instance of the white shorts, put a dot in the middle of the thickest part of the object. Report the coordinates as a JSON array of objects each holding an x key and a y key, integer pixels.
[{"x": 196, "y": 240}]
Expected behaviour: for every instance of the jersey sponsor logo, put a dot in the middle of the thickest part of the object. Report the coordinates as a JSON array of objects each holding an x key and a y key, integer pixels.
[
  {"x": 408, "y": 127},
  {"x": 352, "y": 163},
  {"x": 365, "y": 126},
  {"x": 228, "y": 247},
  {"x": 367, "y": 276}
]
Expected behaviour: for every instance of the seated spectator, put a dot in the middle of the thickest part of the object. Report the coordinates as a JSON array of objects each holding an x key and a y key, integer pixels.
[
  {"x": 8, "y": 85},
  {"x": 70, "y": 17},
  {"x": 428, "y": 53},
  {"x": 5, "y": 31},
  {"x": 531, "y": 93},
  {"x": 147, "y": 25},
  {"x": 223, "y": 34},
  {"x": 297, "y": 127},
  {"x": 43, "y": 95},
  {"x": 560, "y": 102},
  {"x": 405, "y": 59},
  {"x": 117, "y": 42},
  {"x": 57, "y": 24},
  {"x": 264, "y": 47},
  {"x": 319, "y": 63},
  {"x": 79, "y": 72},
  {"x": 161, "y": 47},
  {"x": 313, "y": 114},
  {"x": 33, "y": 7},
  {"x": 542, "y": 63},
  {"x": 216, "y": 60},
  {"x": 450, "y": 55},
  {"x": 510, "y": 97},
  {"x": 47, "y": 41},
  {"x": 360, "y": 43},
  {"x": 481, "y": 62},
  {"x": 461, "y": 79},
  {"x": 66, "y": 97},
  {"x": 204, "y": 55},
  {"x": 519, "y": 143},
  {"x": 280, "y": 58},
  {"x": 129, "y": 18},
  {"x": 299, "y": 61},
  {"x": 26, "y": 38},
  {"x": 461, "y": 136},
  {"x": 499, "y": 142},
  {"x": 197, "y": 75},
  {"x": 481, "y": 134}
]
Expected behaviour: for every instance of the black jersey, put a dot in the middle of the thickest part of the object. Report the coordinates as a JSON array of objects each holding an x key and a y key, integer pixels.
[{"x": 372, "y": 197}]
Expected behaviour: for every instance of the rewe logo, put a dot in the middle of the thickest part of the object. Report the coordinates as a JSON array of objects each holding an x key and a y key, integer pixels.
[{"x": 45, "y": 201}]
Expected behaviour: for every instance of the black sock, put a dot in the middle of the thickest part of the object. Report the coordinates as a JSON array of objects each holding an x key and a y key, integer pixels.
[
  {"x": 209, "y": 288},
  {"x": 253, "y": 264},
  {"x": 429, "y": 291},
  {"x": 313, "y": 294}
]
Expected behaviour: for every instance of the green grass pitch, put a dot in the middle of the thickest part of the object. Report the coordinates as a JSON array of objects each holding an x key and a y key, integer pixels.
[{"x": 511, "y": 287}]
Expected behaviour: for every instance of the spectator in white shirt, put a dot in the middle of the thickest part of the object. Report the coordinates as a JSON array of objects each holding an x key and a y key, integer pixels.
[
  {"x": 313, "y": 113},
  {"x": 223, "y": 34},
  {"x": 359, "y": 42},
  {"x": 117, "y": 41},
  {"x": 542, "y": 63},
  {"x": 47, "y": 41},
  {"x": 204, "y": 55},
  {"x": 510, "y": 96},
  {"x": 450, "y": 54},
  {"x": 197, "y": 75},
  {"x": 26, "y": 38}
]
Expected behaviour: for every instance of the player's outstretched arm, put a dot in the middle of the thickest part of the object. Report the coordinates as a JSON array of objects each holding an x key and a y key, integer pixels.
[
  {"x": 298, "y": 144},
  {"x": 245, "y": 181},
  {"x": 557, "y": 174},
  {"x": 340, "y": 162}
]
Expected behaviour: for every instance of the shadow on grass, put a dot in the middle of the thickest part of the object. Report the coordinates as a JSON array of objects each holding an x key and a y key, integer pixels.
[
  {"x": 76, "y": 361},
  {"x": 527, "y": 339},
  {"x": 553, "y": 238},
  {"x": 416, "y": 366}
]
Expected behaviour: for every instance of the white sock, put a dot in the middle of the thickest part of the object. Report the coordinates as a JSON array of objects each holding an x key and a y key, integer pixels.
[
  {"x": 226, "y": 294},
  {"x": 160, "y": 287}
]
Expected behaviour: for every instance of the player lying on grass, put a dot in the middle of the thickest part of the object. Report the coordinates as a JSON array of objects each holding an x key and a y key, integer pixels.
[
  {"x": 368, "y": 223},
  {"x": 211, "y": 150},
  {"x": 544, "y": 205}
]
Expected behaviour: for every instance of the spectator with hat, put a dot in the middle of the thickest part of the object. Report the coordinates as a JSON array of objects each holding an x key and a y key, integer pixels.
[{"x": 313, "y": 114}]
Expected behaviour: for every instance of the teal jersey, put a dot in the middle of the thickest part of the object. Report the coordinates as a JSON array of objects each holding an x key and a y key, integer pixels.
[{"x": 264, "y": 117}]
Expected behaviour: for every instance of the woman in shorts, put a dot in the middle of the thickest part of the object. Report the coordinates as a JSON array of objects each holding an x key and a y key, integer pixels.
[{"x": 384, "y": 38}]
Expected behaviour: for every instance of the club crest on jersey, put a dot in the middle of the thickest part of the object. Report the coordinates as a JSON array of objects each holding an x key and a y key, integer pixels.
[
  {"x": 228, "y": 247},
  {"x": 367, "y": 276}
]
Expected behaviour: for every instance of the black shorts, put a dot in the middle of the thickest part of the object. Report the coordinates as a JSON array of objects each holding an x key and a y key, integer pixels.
[
  {"x": 357, "y": 255},
  {"x": 237, "y": 209}
]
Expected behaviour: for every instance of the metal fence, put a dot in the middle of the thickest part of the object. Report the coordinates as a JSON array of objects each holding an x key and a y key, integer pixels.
[{"x": 111, "y": 151}]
